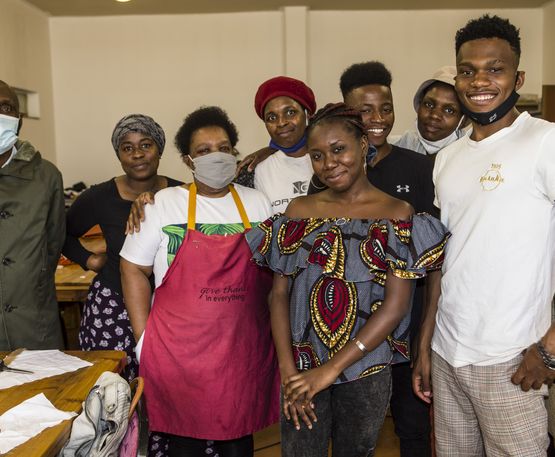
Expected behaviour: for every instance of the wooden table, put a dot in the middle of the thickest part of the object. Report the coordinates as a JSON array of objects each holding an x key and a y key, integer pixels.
[
  {"x": 72, "y": 287},
  {"x": 66, "y": 392},
  {"x": 72, "y": 282}
]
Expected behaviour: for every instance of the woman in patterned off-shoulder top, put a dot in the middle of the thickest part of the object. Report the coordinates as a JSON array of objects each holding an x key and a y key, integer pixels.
[{"x": 340, "y": 304}]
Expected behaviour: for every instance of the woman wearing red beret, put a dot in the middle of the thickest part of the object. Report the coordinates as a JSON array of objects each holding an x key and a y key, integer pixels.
[{"x": 284, "y": 104}]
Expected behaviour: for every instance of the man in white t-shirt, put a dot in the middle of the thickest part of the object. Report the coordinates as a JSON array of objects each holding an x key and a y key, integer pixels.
[{"x": 487, "y": 332}]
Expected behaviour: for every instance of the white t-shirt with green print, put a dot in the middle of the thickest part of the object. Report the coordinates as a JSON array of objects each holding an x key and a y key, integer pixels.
[{"x": 165, "y": 224}]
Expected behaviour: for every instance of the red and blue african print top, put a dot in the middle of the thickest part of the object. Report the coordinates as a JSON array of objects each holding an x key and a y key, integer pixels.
[{"x": 337, "y": 270}]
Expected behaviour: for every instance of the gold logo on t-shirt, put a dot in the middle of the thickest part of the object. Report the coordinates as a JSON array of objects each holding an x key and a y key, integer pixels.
[{"x": 492, "y": 178}]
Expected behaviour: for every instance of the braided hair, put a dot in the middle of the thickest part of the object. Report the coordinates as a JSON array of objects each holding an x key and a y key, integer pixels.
[{"x": 338, "y": 112}]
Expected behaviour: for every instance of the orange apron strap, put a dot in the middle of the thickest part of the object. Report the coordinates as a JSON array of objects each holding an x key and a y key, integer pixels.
[
  {"x": 191, "y": 215},
  {"x": 192, "y": 211},
  {"x": 240, "y": 207}
]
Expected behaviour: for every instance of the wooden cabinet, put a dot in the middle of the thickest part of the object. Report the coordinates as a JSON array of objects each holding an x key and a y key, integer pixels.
[{"x": 548, "y": 102}]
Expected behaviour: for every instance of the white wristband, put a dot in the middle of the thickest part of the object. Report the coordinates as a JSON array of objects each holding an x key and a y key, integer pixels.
[{"x": 360, "y": 345}]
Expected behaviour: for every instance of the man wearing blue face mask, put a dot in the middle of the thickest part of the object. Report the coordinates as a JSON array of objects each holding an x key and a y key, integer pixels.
[{"x": 32, "y": 232}]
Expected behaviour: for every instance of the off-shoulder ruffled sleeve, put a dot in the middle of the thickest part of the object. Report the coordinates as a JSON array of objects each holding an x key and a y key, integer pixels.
[
  {"x": 417, "y": 245},
  {"x": 351, "y": 249}
]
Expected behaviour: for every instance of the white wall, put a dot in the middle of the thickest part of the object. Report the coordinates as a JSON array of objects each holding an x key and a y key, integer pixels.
[
  {"x": 25, "y": 63},
  {"x": 412, "y": 44},
  {"x": 549, "y": 43},
  {"x": 166, "y": 66}
]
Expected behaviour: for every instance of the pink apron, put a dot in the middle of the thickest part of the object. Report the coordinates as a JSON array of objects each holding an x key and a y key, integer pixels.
[{"x": 208, "y": 359}]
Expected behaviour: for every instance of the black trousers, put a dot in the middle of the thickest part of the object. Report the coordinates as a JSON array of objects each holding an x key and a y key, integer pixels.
[
  {"x": 181, "y": 446},
  {"x": 410, "y": 414}
]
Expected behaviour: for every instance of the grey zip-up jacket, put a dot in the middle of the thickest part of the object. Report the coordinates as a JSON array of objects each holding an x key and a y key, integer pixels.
[{"x": 32, "y": 232}]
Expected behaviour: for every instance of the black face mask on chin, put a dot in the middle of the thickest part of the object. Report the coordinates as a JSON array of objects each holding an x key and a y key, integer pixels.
[{"x": 491, "y": 116}]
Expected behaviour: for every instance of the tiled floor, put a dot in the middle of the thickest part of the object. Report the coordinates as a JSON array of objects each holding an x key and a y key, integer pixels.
[{"x": 266, "y": 442}]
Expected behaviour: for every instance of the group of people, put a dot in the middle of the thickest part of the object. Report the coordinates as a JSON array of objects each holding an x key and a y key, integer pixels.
[{"x": 336, "y": 273}]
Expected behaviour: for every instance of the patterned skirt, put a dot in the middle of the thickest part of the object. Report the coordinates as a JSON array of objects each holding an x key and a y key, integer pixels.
[{"x": 105, "y": 326}]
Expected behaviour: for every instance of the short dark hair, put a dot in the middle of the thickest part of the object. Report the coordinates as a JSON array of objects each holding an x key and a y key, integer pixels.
[
  {"x": 206, "y": 116},
  {"x": 488, "y": 26},
  {"x": 338, "y": 112},
  {"x": 363, "y": 74}
]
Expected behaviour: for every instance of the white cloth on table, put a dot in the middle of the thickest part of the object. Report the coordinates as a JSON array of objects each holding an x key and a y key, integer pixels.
[
  {"x": 43, "y": 364},
  {"x": 29, "y": 418}
]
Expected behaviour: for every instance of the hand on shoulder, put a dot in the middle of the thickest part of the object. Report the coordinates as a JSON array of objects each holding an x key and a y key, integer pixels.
[{"x": 252, "y": 160}]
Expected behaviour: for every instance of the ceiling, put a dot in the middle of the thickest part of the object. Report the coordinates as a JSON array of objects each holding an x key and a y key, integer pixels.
[{"x": 111, "y": 7}]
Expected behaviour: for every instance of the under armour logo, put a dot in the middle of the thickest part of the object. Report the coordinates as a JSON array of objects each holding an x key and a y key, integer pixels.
[
  {"x": 300, "y": 187},
  {"x": 405, "y": 188}
]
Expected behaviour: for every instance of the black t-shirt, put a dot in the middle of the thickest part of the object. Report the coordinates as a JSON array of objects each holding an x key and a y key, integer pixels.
[
  {"x": 406, "y": 175},
  {"x": 403, "y": 174},
  {"x": 102, "y": 205}
]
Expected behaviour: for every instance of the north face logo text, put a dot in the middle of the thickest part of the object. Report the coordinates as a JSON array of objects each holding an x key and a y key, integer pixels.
[{"x": 300, "y": 187}]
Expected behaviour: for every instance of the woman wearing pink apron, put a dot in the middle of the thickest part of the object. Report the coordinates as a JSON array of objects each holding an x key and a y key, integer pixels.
[{"x": 206, "y": 352}]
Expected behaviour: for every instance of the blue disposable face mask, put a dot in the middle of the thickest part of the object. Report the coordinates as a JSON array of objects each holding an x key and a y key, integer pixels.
[
  {"x": 8, "y": 132},
  {"x": 296, "y": 147}
]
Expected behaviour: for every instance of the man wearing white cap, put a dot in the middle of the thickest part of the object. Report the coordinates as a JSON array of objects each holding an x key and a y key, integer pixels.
[{"x": 439, "y": 115}]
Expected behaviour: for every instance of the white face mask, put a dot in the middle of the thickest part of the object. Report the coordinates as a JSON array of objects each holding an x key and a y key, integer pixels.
[
  {"x": 432, "y": 147},
  {"x": 215, "y": 169},
  {"x": 8, "y": 132}
]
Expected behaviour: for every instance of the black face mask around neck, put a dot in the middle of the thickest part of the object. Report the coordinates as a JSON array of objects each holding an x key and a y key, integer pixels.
[{"x": 491, "y": 116}]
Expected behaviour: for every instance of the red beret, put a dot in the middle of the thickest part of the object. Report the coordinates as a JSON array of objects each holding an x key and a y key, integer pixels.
[{"x": 289, "y": 87}]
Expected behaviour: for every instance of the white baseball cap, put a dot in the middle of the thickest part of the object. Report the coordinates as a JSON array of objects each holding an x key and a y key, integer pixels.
[{"x": 445, "y": 75}]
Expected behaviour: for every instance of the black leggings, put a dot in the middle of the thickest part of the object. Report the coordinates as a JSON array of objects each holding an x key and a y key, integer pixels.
[{"x": 181, "y": 446}]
